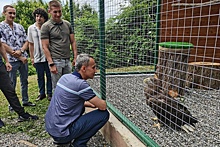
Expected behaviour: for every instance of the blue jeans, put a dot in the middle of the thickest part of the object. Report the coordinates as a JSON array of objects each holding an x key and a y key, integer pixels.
[
  {"x": 23, "y": 72},
  {"x": 42, "y": 68},
  {"x": 64, "y": 67},
  {"x": 85, "y": 127}
]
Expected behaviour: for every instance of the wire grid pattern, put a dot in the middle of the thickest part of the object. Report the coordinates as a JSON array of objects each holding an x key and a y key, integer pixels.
[{"x": 130, "y": 37}]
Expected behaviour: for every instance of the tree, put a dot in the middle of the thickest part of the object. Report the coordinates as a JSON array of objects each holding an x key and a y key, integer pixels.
[
  {"x": 131, "y": 34},
  {"x": 24, "y": 11},
  {"x": 86, "y": 30}
]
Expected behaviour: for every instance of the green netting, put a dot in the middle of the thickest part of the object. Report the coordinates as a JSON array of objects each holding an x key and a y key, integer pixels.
[
  {"x": 176, "y": 45},
  {"x": 123, "y": 36}
]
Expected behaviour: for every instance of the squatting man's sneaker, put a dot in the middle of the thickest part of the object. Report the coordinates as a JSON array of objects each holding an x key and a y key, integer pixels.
[{"x": 27, "y": 117}]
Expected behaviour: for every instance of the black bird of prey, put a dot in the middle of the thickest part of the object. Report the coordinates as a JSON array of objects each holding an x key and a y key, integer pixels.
[{"x": 168, "y": 110}]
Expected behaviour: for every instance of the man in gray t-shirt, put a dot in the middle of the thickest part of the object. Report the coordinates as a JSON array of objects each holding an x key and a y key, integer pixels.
[
  {"x": 57, "y": 37},
  {"x": 64, "y": 118}
]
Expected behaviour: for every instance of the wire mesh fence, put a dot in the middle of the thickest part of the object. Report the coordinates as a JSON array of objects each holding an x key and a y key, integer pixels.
[{"x": 161, "y": 59}]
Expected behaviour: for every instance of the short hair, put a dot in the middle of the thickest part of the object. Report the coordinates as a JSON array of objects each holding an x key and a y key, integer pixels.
[
  {"x": 7, "y": 6},
  {"x": 54, "y": 3},
  {"x": 40, "y": 11},
  {"x": 82, "y": 59}
]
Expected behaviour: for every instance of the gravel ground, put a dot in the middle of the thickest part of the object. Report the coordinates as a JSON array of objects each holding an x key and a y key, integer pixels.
[
  {"x": 126, "y": 94},
  {"x": 23, "y": 140}
]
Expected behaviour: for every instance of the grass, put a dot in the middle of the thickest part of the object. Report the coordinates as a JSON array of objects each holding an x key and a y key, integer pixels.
[
  {"x": 131, "y": 69},
  {"x": 32, "y": 128}
]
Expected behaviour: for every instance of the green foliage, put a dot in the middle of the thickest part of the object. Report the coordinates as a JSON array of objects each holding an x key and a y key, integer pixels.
[
  {"x": 86, "y": 30},
  {"x": 24, "y": 9},
  {"x": 131, "y": 35}
]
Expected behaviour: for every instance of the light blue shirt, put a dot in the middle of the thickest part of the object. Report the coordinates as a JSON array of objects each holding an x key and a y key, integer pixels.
[{"x": 67, "y": 104}]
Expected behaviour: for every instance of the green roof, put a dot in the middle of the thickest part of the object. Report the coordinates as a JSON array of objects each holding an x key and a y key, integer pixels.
[{"x": 176, "y": 45}]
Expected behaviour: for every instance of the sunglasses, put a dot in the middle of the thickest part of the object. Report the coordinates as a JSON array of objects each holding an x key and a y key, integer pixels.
[{"x": 12, "y": 13}]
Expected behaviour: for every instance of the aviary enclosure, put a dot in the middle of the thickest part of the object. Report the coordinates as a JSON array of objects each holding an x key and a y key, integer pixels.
[{"x": 156, "y": 59}]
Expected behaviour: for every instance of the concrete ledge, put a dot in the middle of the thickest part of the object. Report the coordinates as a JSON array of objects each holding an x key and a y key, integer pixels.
[{"x": 117, "y": 134}]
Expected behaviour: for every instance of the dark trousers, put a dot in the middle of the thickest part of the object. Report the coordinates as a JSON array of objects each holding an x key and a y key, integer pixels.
[
  {"x": 85, "y": 127},
  {"x": 8, "y": 90},
  {"x": 43, "y": 68}
]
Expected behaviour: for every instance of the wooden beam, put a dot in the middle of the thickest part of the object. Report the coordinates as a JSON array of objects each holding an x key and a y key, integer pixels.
[{"x": 196, "y": 4}]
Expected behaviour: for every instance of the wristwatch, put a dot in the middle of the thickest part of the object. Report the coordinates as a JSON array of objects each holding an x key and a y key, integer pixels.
[{"x": 51, "y": 64}]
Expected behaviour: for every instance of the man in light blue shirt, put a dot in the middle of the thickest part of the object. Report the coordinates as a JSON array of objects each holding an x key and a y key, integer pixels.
[{"x": 64, "y": 118}]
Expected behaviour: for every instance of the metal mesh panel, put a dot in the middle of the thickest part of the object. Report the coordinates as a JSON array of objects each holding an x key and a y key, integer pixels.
[{"x": 185, "y": 78}]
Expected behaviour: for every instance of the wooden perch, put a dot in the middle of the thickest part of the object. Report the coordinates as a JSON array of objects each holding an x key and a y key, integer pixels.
[
  {"x": 171, "y": 70},
  {"x": 196, "y": 4},
  {"x": 203, "y": 75}
]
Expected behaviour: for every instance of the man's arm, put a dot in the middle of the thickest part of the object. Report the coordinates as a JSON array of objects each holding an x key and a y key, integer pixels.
[
  {"x": 10, "y": 51},
  {"x": 99, "y": 103},
  {"x": 45, "y": 45},
  {"x": 31, "y": 49},
  {"x": 74, "y": 48},
  {"x": 3, "y": 53},
  {"x": 16, "y": 54},
  {"x": 24, "y": 47}
]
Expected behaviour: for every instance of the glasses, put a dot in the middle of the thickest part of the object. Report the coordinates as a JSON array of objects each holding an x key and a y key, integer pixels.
[{"x": 12, "y": 13}]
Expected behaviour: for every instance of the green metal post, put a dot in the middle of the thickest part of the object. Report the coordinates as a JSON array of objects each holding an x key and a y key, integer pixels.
[
  {"x": 71, "y": 15},
  {"x": 102, "y": 48},
  {"x": 134, "y": 129},
  {"x": 157, "y": 32}
]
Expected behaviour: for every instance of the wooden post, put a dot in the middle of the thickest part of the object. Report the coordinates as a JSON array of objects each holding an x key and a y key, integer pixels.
[
  {"x": 203, "y": 75},
  {"x": 172, "y": 69}
]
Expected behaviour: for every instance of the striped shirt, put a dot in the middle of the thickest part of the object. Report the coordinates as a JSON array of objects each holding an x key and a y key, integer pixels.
[
  {"x": 67, "y": 104},
  {"x": 34, "y": 37}
]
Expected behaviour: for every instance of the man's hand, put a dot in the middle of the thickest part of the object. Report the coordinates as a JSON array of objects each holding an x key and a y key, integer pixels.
[
  {"x": 53, "y": 69},
  {"x": 8, "y": 66},
  {"x": 23, "y": 59},
  {"x": 88, "y": 104},
  {"x": 32, "y": 62},
  {"x": 74, "y": 62},
  {"x": 16, "y": 53}
]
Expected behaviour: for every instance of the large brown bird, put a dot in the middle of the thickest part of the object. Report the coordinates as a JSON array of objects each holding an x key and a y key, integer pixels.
[{"x": 169, "y": 111}]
